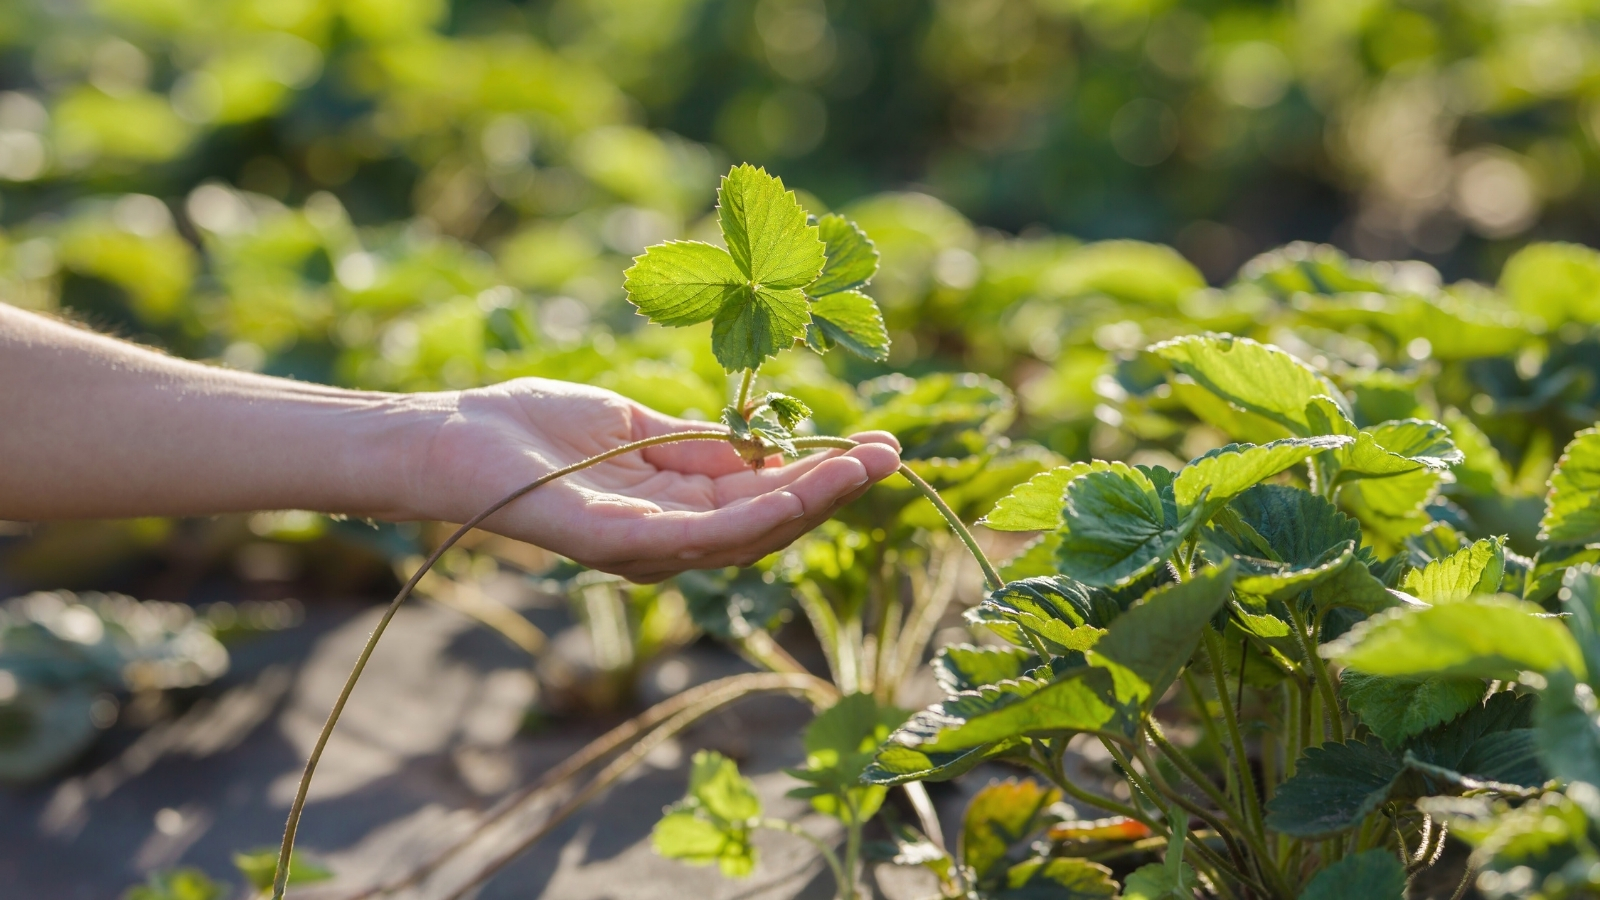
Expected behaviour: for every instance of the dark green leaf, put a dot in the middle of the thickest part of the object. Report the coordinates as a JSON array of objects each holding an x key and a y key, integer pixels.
[
  {"x": 1568, "y": 729},
  {"x": 963, "y": 667},
  {"x": 1334, "y": 787},
  {"x": 852, "y": 260},
  {"x": 1580, "y": 600},
  {"x": 851, "y": 320},
  {"x": 1396, "y": 709},
  {"x": 1369, "y": 875},
  {"x": 1116, "y": 527},
  {"x": 732, "y": 606}
]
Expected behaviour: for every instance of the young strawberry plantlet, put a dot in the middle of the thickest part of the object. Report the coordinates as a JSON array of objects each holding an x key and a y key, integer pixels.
[{"x": 782, "y": 280}]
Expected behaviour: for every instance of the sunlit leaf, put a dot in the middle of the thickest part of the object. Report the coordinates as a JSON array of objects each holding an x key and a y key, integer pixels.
[
  {"x": 1064, "y": 615},
  {"x": 1257, "y": 378},
  {"x": 852, "y": 259},
  {"x": 683, "y": 282},
  {"x": 1000, "y": 815},
  {"x": 1227, "y": 471},
  {"x": 259, "y": 866},
  {"x": 1472, "y": 570},
  {"x": 1395, "y": 448},
  {"x": 1035, "y": 505},
  {"x": 1057, "y": 878},
  {"x": 963, "y": 667},
  {"x": 1479, "y": 637},
  {"x": 755, "y": 325},
  {"x": 766, "y": 232},
  {"x": 1572, "y": 507},
  {"x": 852, "y": 320}
]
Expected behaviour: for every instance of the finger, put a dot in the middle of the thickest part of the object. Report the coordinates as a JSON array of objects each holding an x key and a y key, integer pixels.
[
  {"x": 883, "y": 455},
  {"x": 877, "y": 437},
  {"x": 750, "y": 528},
  {"x": 711, "y": 458}
]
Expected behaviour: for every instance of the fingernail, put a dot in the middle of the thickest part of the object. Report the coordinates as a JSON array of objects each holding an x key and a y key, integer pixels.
[{"x": 799, "y": 505}]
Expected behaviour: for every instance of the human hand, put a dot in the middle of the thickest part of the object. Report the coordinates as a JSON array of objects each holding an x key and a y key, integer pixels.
[{"x": 645, "y": 515}]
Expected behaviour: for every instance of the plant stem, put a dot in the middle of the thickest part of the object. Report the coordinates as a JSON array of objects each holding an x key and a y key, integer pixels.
[
  {"x": 281, "y": 878},
  {"x": 852, "y": 848},
  {"x": 1249, "y": 801},
  {"x": 1191, "y": 771},
  {"x": 1202, "y": 709},
  {"x": 831, "y": 857},
  {"x": 744, "y": 391},
  {"x": 989, "y": 573},
  {"x": 1308, "y": 646}
]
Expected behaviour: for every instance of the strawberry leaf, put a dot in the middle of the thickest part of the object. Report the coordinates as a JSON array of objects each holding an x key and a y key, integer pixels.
[
  {"x": 852, "y": 259},
  {"x": 1257, "y": 378},
  {"x": 683, "y": 282},
  {"x": 753, "y": 326},
  {"x": 1572, "y": 506},
  {"x": 766, "y": 232},
  {"x": 848, "y": 319}
]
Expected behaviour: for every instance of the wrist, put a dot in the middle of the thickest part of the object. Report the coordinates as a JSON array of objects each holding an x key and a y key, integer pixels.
[{"x": 386, "y": 458}]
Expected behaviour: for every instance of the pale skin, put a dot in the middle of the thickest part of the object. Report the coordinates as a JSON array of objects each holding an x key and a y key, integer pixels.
[{"x": 93, "y": 427}]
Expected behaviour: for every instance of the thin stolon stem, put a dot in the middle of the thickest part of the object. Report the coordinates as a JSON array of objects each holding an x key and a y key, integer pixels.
[
  {"x": 989, "y": 572},
  {"x": 281, "y": 878}
]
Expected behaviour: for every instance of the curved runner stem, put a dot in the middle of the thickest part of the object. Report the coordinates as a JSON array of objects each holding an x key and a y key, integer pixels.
[
  {"x": 281, "y": 878},
  {"x": 989, "y": 572}
]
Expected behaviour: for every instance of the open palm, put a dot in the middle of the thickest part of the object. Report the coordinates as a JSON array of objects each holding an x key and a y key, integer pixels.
[{"x": 646, "y": 515}]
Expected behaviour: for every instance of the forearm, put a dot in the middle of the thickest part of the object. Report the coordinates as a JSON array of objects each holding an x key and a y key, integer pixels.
[{"x": 93, "y": 427}]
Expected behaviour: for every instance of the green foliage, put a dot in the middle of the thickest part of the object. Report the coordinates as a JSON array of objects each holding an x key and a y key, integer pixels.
[
  {"x": 1477, "y": 569},
  {"x": 259, "y": 866},
  {"x": 1398, "y": 708},
  {"x": 712, "y": 823},
  {"x": 1480, "y": 637},
  {"x": 840, "y": 743},
  {"x": 1374, "y": 874},
  {"x": 1119, "y": 525},
  {"x": 178, "y": 884},
  {"x": 1572, "y": 507},
  {"x": 1270, "y": 387}
]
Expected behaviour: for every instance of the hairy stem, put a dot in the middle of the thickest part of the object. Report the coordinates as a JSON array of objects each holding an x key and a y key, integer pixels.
[
  {"x": 744, "y": 391},
  {"x": 1308, "y": 646},
  {"x": 989, "y": 572},
  {"x": 1249, "y": 801},
  {"x": 832, "y": 858},
  {"x": 281, "y": 878}
]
